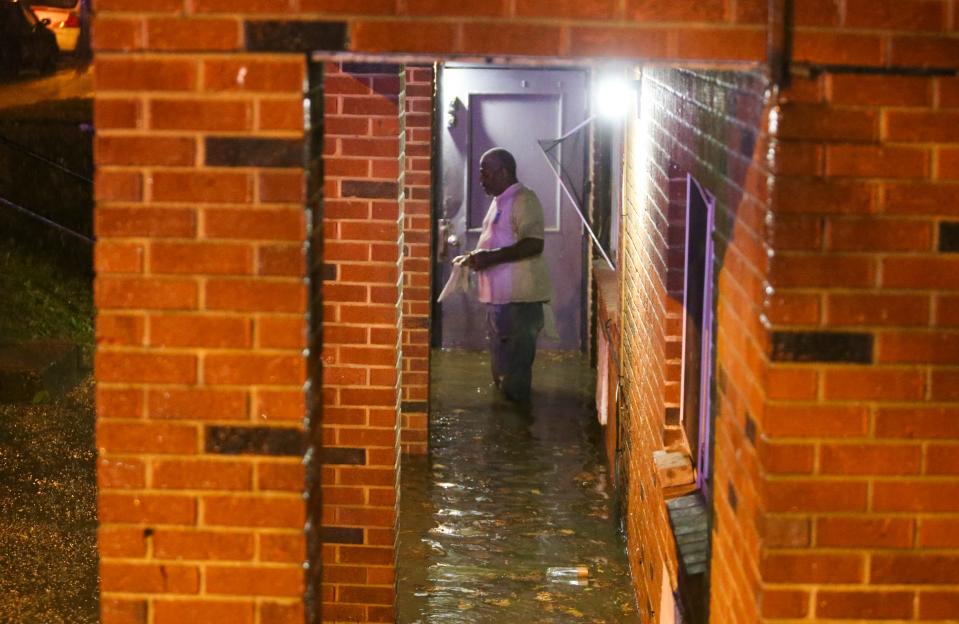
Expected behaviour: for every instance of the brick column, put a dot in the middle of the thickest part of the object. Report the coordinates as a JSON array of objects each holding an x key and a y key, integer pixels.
[
  {"x": 363, "y": 246},
  {"x": 200, "y": 330},
  {"x": 417, "y": 263},
  {"x": 861, "y": 434}
]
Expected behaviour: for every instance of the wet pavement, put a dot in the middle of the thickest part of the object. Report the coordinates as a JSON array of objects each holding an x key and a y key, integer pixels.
[
  {"x": 48, "y": 556},
  {"x": 505, "y": 495},
  {"x": 74, "y": 79}
]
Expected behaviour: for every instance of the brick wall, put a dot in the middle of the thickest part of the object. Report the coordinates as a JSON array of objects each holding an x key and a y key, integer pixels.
[
  {"x": 742, "y": 205},
  {"x": 862, "y": 32},
  {"x": 643, "y": 358},
  {"x": 417, "y": 264},
  {"x": 682, "y": 111},
  {"x": 853, "y": 32},
  {"x": 861, "y": 440},
  {"x": 201, "y": 328},
  {"x": 202, "y": 304},
  {"x": 676, "y": 187},
  {"x": 363, "y": 243},
  {"x": 200, "y": 332}
]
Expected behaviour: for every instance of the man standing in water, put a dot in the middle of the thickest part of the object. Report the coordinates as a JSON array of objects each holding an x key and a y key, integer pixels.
[{"x": 513, "y": 276}]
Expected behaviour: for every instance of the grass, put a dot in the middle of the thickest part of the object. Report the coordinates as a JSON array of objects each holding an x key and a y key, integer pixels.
[
  {"x": 41, "y": 300},
  {"x": 46, "y": 283}
]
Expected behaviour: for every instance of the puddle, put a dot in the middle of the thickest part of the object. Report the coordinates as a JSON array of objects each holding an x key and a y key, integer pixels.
[{"x": 504, "y": 497}]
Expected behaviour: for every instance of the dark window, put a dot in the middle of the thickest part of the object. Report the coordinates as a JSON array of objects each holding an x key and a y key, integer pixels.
[
  {"x": 689, "y": 515},
  {"x": 697, "y": 327}
]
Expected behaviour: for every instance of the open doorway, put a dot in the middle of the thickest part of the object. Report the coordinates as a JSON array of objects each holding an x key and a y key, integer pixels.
[
  {"x": 509, "y": 515},
  {"x": 482, "y": 107}
]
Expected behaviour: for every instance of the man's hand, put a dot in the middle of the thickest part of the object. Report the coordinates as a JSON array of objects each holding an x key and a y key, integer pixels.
[{"x": 480, "y": 259}]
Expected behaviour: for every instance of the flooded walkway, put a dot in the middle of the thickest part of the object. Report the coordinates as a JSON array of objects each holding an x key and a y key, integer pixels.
[{"x": 503, "y": 497}]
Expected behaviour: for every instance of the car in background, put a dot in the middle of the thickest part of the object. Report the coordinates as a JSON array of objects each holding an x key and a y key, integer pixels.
[
  {"x": 67, "y": 20},
  {"x": 25, "y": 40}
]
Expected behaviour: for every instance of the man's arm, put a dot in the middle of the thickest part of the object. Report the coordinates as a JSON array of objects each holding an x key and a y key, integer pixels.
[{"x": 525, "y": 248}]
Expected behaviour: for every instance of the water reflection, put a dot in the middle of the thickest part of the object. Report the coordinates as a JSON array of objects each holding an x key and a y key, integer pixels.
[{"x": 505, "y": 496}]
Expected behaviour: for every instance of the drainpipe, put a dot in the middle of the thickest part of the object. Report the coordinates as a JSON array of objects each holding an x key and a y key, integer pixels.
[{"x": 779, "y": 41}]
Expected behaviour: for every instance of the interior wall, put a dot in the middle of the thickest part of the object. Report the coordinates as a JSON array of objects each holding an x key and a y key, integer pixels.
[
  {"x": 363, "y": 223},
  {"x": 708, "y": 124},
  {"x": 417, "y": 261}
]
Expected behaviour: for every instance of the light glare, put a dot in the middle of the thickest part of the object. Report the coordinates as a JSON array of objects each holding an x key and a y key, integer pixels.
[{"x": 613, "y": 97}]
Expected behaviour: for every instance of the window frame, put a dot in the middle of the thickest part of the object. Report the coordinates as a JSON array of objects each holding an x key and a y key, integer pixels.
[{"x": 702, "y": 451}]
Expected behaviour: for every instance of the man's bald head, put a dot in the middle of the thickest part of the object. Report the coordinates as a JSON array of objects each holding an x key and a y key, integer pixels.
[
  {"x": 497, "y": 171},
  {"x": 503, "y": 158}
]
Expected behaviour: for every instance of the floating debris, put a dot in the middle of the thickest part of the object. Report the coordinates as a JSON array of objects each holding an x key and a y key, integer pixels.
[
  {"x": 499, "y": 602},
  {"x": 567, "y": 572}
]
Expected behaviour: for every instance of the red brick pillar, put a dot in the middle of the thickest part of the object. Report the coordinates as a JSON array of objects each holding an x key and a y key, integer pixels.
[
  {"x": 201, "y": 328},
  {"x": 417, "y": 264},
  {"x": 861, "y": 434},
  {"x": 363, "y": 246}
]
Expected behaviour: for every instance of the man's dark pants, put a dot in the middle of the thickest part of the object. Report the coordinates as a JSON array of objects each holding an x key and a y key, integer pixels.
[{"x": 513, "y": 328}]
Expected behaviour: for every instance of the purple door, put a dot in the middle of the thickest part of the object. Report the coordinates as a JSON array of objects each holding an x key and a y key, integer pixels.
[{"x": 489, "y": 107}]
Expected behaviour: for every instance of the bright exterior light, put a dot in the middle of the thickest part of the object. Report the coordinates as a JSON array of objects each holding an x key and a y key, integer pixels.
[{"x": 614, "y": 97}]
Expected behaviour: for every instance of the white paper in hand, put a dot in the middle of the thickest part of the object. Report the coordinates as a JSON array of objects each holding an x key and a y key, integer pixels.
[{"x": 459, "y": 279}]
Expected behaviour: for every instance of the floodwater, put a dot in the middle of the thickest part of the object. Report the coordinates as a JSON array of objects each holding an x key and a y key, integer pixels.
[
  {"x": 505, "y": 495},
  {"x": 48, "y": 552}
]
